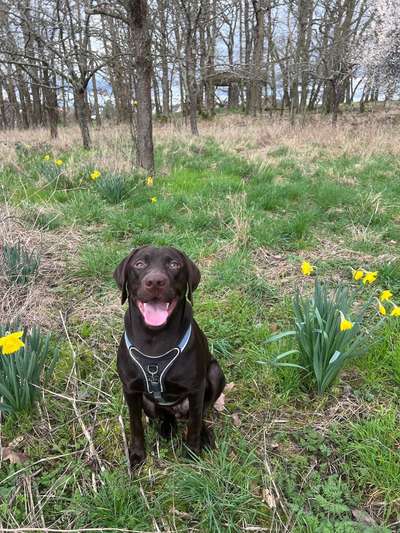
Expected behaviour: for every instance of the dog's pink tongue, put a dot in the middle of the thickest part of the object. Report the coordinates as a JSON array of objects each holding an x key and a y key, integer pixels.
[{"x": 155, "y": 314}]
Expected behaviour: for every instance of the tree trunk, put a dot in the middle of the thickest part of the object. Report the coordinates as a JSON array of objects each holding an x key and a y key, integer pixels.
[
  {"x": 255, "y": 84},
  {"x": 164, "y": 59},
  {"x": 192, "y": 86},
  {"x": 247, "y": 50},
  {"x": 211, "y": 31},
  {"x": 81, "y": 109},
  {"x": 50, "y": 97},
  {"x": 233, "y": 95},
  {"x": 96, "y": 101},
  {"x": 156, "y": 92},
  {"x": 138, "y": 23},
  {"x": 190, "y": 67},
  {"x": 3, "y": 114}
]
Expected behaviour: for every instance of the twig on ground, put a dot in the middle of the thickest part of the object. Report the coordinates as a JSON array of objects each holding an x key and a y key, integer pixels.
[
  {"x": 92, "y": 449},
  {"x": 126, "y": 449}
]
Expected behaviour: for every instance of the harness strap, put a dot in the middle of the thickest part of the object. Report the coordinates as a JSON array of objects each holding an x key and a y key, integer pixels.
[{"x": 155, "y": 367}]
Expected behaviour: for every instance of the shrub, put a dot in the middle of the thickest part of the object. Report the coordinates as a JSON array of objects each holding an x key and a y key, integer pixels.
[
  {"x": 22, "y": 372},
  {"x": 20, "y": 266}
]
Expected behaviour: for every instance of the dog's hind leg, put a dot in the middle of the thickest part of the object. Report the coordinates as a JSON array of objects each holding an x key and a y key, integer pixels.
[{"x": 215, "y": 386}]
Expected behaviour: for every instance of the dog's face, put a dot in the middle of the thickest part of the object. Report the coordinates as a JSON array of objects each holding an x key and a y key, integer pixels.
[{"x": 156, "y": 280}]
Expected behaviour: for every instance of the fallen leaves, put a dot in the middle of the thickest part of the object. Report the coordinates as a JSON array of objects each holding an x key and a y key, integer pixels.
[
  {"x": 9, "y": 454},
  {"x": 219, "y": 405},
  {"x": 268, "y": 498},
  {"x": 236, "y": 420}
]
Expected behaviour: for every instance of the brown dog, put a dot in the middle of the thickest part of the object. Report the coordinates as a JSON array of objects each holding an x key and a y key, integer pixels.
[{"x": 164, "y": 361}]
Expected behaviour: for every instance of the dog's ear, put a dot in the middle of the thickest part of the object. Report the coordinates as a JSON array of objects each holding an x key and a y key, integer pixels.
[
  {"x": 120, "y": 274},
  {"x": 193, "y": 276}
]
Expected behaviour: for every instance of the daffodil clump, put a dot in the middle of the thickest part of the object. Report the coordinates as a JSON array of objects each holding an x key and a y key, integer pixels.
[
  {"x": 385, "y": 297},
  {"x": 57, "y": 162},
  {"x": 26, "y": 361},
  {"x": 114, "y": 188},
  {"x": 95, "y": 174},
  {"x": 328, "y": 328}
]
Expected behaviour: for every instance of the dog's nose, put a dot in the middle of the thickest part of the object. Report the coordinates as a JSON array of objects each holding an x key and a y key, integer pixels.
[{"x": 156, "y": 280}]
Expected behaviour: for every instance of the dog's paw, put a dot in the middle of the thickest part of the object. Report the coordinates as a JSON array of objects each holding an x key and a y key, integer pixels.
[{"x": 136, "y": 458}]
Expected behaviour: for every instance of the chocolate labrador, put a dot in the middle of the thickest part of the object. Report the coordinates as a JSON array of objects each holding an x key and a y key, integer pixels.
[{"x": 164, "y": 361}]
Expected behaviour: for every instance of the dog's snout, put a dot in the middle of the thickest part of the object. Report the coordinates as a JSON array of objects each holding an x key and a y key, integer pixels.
[{"x": 155, "y": 280}]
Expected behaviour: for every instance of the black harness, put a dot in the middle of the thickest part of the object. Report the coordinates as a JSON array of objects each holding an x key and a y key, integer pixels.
[{"x": 155, "y": 367}]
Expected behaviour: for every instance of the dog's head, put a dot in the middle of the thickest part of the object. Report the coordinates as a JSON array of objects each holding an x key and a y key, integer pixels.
[{"x": 156, "y": 280}]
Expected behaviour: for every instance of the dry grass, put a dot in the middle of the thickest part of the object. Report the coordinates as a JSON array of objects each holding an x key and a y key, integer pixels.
[
  {"x": 254, "y": 137},
  {"x": 38, "y": 302},
  {"x": 363, "y": 135}
]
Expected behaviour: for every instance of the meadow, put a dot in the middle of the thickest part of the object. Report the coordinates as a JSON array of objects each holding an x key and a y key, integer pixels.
[{"x": 248, "y": 200}]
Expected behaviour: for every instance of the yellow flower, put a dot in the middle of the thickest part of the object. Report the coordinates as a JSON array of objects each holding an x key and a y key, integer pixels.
[
  {"x": 307, "y": 268},
  {"x": 59, "y": 162},
  {"x": 344, "y": 323},
  {"x": 95, "y": 174},
  {"x": 47, "y": 157},
  {"x": 382, "y": 309},
  {"x": 370, "y": 277},
  {"x": 395, "y": 311},
  {"x": 385, "y": 295},
  {"x": 358, "y": 274},
  {"x": 135, "y": 103},
  {"x": 149, "y": 181},
  {"x": 153, "y": 199},
  {"x": 11, "y": 343}
]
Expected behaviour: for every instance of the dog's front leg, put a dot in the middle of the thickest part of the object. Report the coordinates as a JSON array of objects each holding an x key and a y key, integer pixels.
[
  {"x": 196, "y": 407},
  {"x": 137, "y": 452}
]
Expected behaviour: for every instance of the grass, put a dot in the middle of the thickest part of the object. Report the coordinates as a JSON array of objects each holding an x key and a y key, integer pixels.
[{"x": 247, "y": 204}]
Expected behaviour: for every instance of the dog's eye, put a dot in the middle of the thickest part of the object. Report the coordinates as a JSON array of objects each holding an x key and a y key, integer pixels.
[
  {"x": 174, "y": 265},
  {"x": 140, "y": 264}
]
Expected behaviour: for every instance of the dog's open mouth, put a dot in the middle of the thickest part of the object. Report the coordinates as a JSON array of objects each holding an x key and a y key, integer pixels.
[{"x": 156, "y": 313}]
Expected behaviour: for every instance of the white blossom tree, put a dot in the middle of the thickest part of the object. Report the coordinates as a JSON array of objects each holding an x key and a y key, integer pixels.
[{"x": 379, "y": 53}]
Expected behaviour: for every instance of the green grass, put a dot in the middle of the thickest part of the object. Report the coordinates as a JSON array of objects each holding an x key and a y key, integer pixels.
[{"x": 324, "y": 463}]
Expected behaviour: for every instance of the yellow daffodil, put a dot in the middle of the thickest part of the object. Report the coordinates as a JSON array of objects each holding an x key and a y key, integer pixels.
[
  {"x": 59, "y": 162},
  {"x": 135, "y": 103},
  {"x": 344, "y": 323},
  {"x": 370, "y": 277},
  {"x": 149, "y": 181},
  {"x": 46, "y": 157},
  {"x": 382, "y": 309},
  {"x": 358, "y": 274},
  {"x": 153, "y": 199},
  {"x": 307, "y": 268},
  {"x": 385, "y": 296},
  {"x": 395, "y": 311},
  {"x": 11, "y": 343},
  {"x": 95, "y": 174}
]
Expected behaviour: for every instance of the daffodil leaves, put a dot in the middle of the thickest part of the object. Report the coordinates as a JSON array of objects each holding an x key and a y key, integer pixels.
[
  {"x": 322, "y": 346},
  {"x": 279, "y": 336}
]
